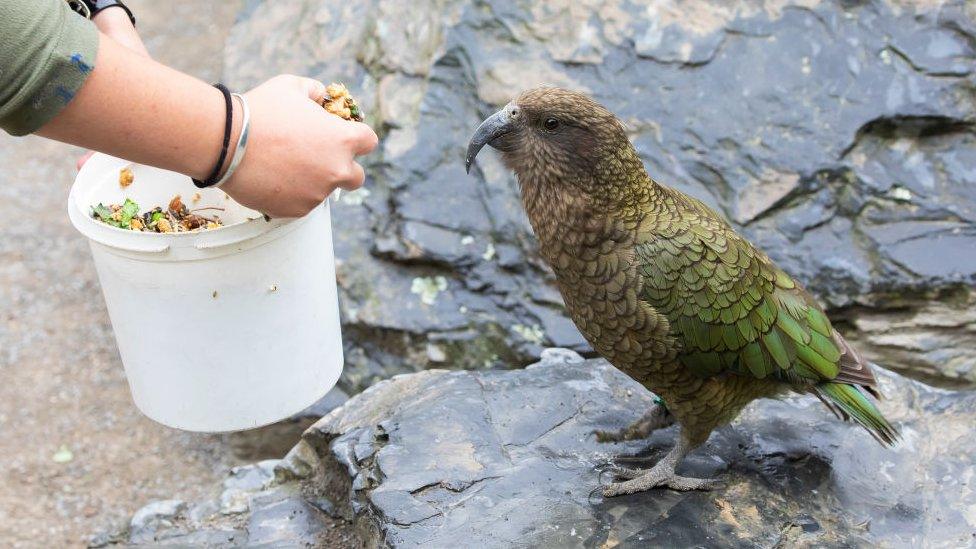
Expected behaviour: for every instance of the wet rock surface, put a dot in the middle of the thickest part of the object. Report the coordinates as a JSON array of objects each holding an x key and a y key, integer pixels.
[
  {"x": 839, "y": 136},
  {"x": 506, "y": 458}
]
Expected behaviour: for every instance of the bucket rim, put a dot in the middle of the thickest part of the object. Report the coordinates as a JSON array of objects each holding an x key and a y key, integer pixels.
[{"x": 150, "y": 242}]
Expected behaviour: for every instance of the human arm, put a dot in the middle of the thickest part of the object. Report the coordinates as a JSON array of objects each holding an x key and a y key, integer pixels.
[
  {"x": 115, "y": 23},
  {"x": 133, "y": 107},
  {"x": 141, "y": 110}
]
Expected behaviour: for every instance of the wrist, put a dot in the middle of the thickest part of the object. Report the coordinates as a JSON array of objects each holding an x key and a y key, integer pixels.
[
  {"x": 233, "y": 139},
  {"x": 93, "y": 9},
  {"x": 237, "y": 125},
  {"x": 200, "y": 164},
  {"x": 98, "y": 7},
  {"x": 115, "y": 23},
  {"x": 112, "y": 16}
]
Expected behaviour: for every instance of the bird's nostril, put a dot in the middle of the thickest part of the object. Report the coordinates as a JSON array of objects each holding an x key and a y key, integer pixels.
[{"x": 514, "y": 111}]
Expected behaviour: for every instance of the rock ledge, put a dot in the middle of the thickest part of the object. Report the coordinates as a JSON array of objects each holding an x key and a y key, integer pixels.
[{"x": 505, "y": 458}]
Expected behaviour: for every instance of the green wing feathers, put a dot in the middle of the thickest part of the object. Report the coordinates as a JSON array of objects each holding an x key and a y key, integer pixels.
[{"x": 734, "y": 311}]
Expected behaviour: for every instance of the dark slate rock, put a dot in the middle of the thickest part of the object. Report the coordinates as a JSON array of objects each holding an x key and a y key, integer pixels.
[
  {"x": 253, "y": 510},
  {"x": 291, "y": 521},
  {"x": 839, "y": 136},
  {"x": 507, "y": 459},
  {"x": 158, "y": 514},
  {"x": 250, "y": 478}
]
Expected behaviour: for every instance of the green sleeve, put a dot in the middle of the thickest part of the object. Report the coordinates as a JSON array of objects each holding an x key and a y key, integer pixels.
[{"x": 46, "y": 53}]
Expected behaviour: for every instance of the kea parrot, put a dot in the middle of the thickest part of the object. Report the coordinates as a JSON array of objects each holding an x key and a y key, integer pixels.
[{"x": 664, "y": 288}]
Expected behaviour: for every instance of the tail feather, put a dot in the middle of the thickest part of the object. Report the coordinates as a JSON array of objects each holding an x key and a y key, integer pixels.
[
  {"x": 854, "y": 369},
  {"x": 850, "y": 402}
]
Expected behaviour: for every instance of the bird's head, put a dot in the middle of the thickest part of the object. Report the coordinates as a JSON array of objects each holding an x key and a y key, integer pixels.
[{"x": 557, "y": 137}]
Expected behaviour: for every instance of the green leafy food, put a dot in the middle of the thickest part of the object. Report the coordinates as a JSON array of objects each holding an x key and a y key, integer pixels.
[
  {"x": 177, "y": 218},
  {"x": 128, "y": 210},
  {"x": 104, "y": 213},
  {"x": 117, "y": 216}
]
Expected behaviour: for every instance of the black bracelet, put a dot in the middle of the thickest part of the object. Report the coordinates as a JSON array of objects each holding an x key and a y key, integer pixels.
[
  {"x": 228, "y": 123},
  {"x": 119, "y": 5},
  {"x": 90, "y": 8}
]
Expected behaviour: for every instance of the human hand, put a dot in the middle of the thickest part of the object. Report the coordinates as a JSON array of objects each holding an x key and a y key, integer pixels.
[{"x": 297, "y": 154}]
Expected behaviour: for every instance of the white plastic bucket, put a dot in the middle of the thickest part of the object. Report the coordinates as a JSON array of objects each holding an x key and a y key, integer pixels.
[{"x": 219, "y": 330}]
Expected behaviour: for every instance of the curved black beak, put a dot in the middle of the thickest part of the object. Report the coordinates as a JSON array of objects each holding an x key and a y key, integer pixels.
[{"x": 491, "y": 129}]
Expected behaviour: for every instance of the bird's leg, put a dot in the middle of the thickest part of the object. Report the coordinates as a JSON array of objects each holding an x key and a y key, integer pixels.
[
  {"x": 658, "y": 417},
  {"x": 662, "y": 474}
]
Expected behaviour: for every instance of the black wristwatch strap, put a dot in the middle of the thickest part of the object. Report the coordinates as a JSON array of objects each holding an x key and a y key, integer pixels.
[{"x": 91, "y": 8}]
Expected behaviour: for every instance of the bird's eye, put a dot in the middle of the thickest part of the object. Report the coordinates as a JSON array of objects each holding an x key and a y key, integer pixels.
[{"x": 550, "y": 124}]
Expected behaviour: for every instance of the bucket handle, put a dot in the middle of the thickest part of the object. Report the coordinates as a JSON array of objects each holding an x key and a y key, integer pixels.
[
  {"x": 209, "y": 244},
  {"x": 157, "y": 249},
  {"x": 220, "y": 244}
]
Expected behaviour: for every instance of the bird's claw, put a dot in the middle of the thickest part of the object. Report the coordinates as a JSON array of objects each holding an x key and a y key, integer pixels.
[
  {"x": 640, "y": 480},
  {"x": 617, "y": 471},
  {"x": 625, "y": 472},
  {"x": 680, "y": 484}
]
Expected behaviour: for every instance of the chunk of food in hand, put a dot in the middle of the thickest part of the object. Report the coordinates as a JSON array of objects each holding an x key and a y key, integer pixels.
[
  {"x": 177, "y": 218},
  {"x": 339, "y": 102}
]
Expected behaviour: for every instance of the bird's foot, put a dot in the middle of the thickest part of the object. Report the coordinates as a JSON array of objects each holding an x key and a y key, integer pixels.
[
  {"x": 659, "y": 476},
  {"x": 658, "y": 417}
]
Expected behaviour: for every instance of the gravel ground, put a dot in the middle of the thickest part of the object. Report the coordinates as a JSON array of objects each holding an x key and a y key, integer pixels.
[{"x": 75, "y": 455}]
